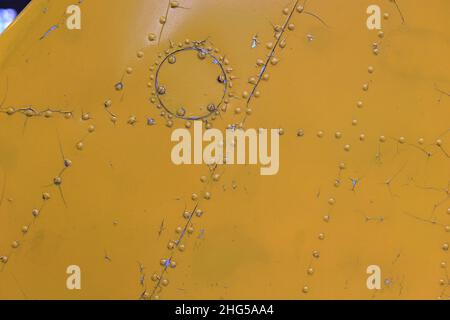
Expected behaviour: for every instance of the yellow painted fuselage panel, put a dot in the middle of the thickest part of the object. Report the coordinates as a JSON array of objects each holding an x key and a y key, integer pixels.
[{"x": 87, "y": 178}]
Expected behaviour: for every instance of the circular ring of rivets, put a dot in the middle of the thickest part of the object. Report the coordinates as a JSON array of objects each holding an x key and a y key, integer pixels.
[{"x": 203, "y": 53}]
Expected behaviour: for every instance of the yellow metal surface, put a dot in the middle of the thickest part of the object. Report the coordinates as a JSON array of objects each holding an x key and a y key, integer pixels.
[{"x": 359, "y": 184}]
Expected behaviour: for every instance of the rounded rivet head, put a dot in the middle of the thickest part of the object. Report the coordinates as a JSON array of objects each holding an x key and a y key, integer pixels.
[
  {"x": 173, "y": 264},
  {"x": 305, "y": 289},
  {"x": 365, "y": 87},
  {"x": 386, "y": 15},
  {"x": 140, "y": 54},
  {"x": 155, "y": 276},
  {"x": 194, "y": 197},
  {"x": 421, "y": 141},
  {"x": 260, "y": 62},
  {"x": 320, "y": 134},
  {"x": 132, "y": 120},
  {"x": 25, "y": 229},
  {"x": 326, "y": 218},
  {"x": 4, "y": 259},
  {"x": 347, "y": 147},
  {"x": 162, "y": 20},
  {"x": 172, "y": 59},
  {"x": 201, "y": 55},
  {"x": 46, "y": 196},
  {"x": 35, "y": 213},
  {"x": 108, "y": 103},
  {"x": 310, "y": 271},
  {"x": 165, "y": 282},
  {"x": 331, "y": 201},
  {"x": 382, "y": 139},
  {"x": 57, "y": 181},
  {"x": 182, "y": 248},
  {"x": 15, "y": 244},
  {"x": 443, "y": 264},
  {"x": 316, "y": 254},
  {"x": 402, "y": 140},
  {"x": 281, "y": 131},
  {"x": 129, "y": 70},
  {"x": 151, "y": 37},
  {"x": 439, "y": 143},
  {"x": 161, "y": 90},
  {"x": 207, "y": 195},
  {"x": 181, "y": 112},
  {"x": 300, "y": 133},
  {"x": 300, "y": 9},
  {"x": 362, "y": 137},
  {"x": 190, "y": 230},
  {"x": 119, "y": 86},
  {"x": 321, "y": 236},
  {"x": 199, "y": 213},
  {"x": 359, "y": 104},
  {"x": 370, "y": 69},
  {"x": 179, "y": 230},
  {"x": 186, "y": 214},
  {"x": 91, "y": 128},
  {"x": 67, "y": 163},
  {"x": 80, "y": 146},
  {"x": 10, "y": 111},
  {"x": 380, "y": 34},
  {"x": 211, "y": 107},
  {"x": 221, "y": 78},
  {"x": 48, "y": 114},
  {"x": 274, "y": 61},
  {"x": 445, "y": 247},
  {"x": 252, "y": 80},
  {"x": 163, "y": 262},
  {"x": 291, "y": 27},
  {"x": 342, "y": 166}
]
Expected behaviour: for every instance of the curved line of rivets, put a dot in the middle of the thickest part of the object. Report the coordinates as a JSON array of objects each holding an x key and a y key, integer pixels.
[
  {"x": 46, "y": 196},
  {"x": 120, "y": 85},
  {"x": 160, "y": 90}
]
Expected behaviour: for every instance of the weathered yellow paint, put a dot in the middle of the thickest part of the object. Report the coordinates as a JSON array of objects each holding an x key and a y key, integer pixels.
[{"x": 258, "y": 234}]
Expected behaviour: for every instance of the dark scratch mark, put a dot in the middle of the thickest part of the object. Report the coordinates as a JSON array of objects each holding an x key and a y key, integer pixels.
[{"x": 52, "y": 28}]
